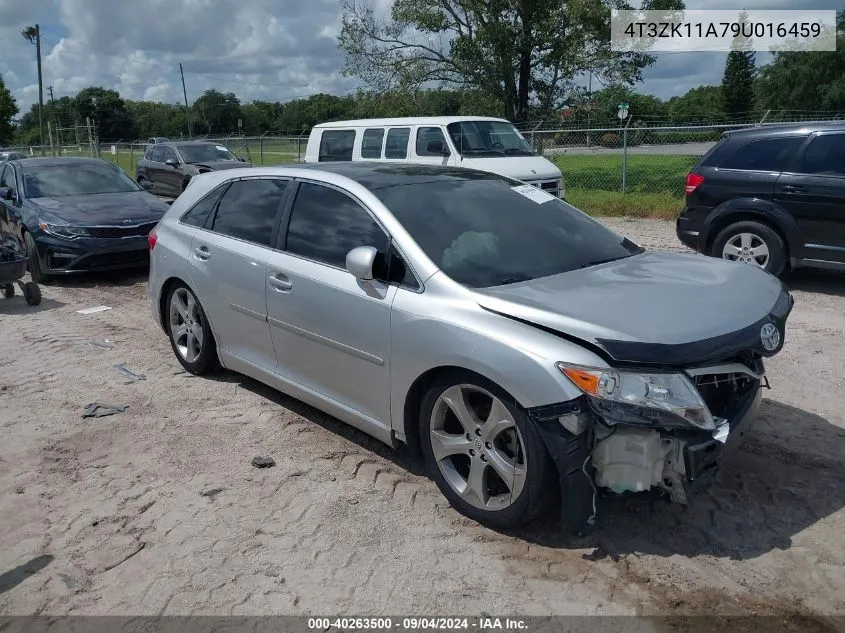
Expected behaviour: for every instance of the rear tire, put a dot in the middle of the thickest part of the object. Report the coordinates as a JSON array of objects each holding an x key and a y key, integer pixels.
[
  {"x": 753, "y": 243},
  {"x": 464, "y": 458},
  {"x": 189, "y": 332},
  {"x": 35, "y": 271}
]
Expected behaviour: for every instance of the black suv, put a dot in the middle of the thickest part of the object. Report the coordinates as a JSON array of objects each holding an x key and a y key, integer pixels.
[{"x": 773, "y": 196}]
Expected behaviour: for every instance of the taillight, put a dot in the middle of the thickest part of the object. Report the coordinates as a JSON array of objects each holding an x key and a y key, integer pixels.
[
  {"x": 151, "y": 239},
  {"x": 693, "y": 182}
]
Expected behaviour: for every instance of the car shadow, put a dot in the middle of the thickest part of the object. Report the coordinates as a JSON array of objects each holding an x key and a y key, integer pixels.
[
  {"x": 12, "y": 578},
  {"x": 812, "y": 280},
  {"x": 116, "y": 278},
  {"x": 401, "y": 456},
  {"x": 18, "y": 305},
  {"x": 787, "y": 475}
]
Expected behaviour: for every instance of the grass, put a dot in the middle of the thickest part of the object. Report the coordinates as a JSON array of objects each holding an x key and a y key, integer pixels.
[
  {"x": 647, "y": 173},
  {"x": 662, "y": 206}
]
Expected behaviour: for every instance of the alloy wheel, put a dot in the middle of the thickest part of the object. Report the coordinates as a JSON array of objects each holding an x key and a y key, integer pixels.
[
  {"x": 747, "y": 248},
  {"x": 186, "y": 324},
  {"x": 478, "y": 447}
]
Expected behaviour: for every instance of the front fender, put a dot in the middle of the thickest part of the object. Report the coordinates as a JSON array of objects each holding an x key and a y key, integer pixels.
[
  {"x": 518, "y": 357},
  {"x": 740, "y": 209}
]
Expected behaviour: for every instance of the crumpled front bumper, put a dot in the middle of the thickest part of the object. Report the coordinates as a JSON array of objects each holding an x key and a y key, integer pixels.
[{"x": 571, "y": 431}]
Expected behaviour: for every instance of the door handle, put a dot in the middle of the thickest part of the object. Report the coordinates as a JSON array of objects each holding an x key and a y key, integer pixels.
[
  {"x": 792, "y": 188},
  {"x": 280, "y": 282},
  {"x": 201, "y": 252}
]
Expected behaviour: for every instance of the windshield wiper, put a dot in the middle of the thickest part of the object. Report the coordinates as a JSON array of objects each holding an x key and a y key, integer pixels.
[{"x": 596, "y": 262}]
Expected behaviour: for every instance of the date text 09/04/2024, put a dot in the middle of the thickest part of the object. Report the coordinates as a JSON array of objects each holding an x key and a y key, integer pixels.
[{"x": 482, "y": 623}]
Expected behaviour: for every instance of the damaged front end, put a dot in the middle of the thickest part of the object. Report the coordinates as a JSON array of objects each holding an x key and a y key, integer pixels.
[{"x": 635, "y": 430}]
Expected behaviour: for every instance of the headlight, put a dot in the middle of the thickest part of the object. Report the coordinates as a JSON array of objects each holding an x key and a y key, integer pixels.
[
  {"x": 643, "y": 396},
  {"x": 66, "y": 232}
]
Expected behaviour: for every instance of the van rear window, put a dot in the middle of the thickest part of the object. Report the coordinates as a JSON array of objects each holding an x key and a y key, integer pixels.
[{"x": 336, "y": 145}]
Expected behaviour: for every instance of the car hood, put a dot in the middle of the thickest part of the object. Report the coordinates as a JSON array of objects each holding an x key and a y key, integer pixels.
[
  {"x": 217, "y": 165},
  {"x": 526, "y": 168},
  {"x": 100, "y": 209},
  {"x": 655, "y": 308}
]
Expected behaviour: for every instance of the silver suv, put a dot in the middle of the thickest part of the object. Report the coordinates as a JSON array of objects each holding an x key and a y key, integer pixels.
[{"x": 509, "y": 338}]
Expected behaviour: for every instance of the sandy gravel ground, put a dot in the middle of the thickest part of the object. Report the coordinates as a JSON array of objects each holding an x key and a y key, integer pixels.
[{"x": 157, "y": 510}]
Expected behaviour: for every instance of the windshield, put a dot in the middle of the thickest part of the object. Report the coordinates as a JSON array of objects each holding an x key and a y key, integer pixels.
[
  {"x": 485, "y": 233},
  {"x": 76, "y": 179},
  {"x": 205, "y": 153},
  {"x": 488, "y": 138}
]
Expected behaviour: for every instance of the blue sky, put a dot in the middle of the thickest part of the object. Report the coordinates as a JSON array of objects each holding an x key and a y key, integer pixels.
[{"x": 259, "y": 49}]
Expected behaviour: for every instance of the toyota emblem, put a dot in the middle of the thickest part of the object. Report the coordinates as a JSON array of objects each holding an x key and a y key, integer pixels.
[{"x": 769, "y": 337}]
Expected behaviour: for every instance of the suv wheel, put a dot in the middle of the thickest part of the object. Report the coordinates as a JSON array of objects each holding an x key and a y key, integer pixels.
[
  {"x": 751, "y": 243},
  {"x": 482, "y": 451}
]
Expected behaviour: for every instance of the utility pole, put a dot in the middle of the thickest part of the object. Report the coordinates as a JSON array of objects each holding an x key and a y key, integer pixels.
[
  {"x": 187, "y": 109},
  {"x": 33, "y": 34}
]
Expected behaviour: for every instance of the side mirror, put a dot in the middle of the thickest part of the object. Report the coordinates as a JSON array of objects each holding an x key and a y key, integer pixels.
[
  {"x": 360, "y": 262},
  {"x": 436, "y": 147},
  {"x": 7, "y": 193},
  {"x": 172, "y": 162},
  {"x": 146, "y": 185}
]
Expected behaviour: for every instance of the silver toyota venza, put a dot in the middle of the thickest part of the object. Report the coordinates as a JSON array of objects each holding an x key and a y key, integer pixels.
[{"x": 519, "y": 345}]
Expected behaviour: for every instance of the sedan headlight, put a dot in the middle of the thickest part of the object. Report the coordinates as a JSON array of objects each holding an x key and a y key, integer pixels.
[
  {"x": 66, "y": 232},
  {"x": 642, "y": 397}
]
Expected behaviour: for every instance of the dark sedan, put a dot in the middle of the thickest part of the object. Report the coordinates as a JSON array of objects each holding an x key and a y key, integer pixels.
[
  {"x": 167, "y": 168},
  {"x": 76, "y": 214}
]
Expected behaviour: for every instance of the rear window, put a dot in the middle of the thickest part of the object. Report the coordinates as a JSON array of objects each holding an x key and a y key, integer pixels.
[
  {"x": 772, "y": 154},
  {"x": 336, "y": 145}
]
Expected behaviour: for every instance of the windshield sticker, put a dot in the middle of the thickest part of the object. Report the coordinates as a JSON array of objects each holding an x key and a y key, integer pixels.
[
  {"x": 533, "y": 193},
  {"x": 222, "y": 149}
]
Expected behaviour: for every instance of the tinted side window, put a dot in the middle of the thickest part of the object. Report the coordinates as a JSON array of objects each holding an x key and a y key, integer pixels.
[
  {"x": 326, "y": 224},
  {"x": 397, "y": 143},
  {"x": 371, "y": 143},
  {"x": 426, "y": 135},
  {"x": 148, "y": 153},
  {"x": 198, "y": 214},
  {"x": 157, "y": 153},
  {"x": 825, "y": 156},
  {"x": 773, "y": 154},
  {"x": 336, "y": 145},
  {"x": 400, "y": 272},
  {"x": 7, "y": 178},
  {"x": 169, "y": 154},
  {"x": 248, "y": 210}
]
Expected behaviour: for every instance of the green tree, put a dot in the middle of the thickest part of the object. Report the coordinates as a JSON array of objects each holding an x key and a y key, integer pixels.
[
  {"x": 216, "y": 112},
  {"x": 809, "y": 81},
  {"x": 603, "y": 104},
  {"x": 259, "y": 117},
  {"x": 738, "y": 84},
  {"x": 740, "y": 73},
  {"x": 8, "y": 110},
  {"x": 520, "y": 52},
  {"x": 704, "y": 104},
  {"x": 107, "y": 110}
]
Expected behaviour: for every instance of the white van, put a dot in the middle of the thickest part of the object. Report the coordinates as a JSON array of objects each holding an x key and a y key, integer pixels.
[{"x": 482, "y": 143}]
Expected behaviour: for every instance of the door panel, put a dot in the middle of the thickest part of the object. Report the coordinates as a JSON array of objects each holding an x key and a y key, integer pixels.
[
  {"x": 228, "y": 266},
  {"x": 331, "y": 332},
  {"x": 228, "y": 275},
  {"x": 815, "y": 196}
]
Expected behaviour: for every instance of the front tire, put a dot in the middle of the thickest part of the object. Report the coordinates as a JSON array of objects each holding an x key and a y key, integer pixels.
[
  {"x": 483, "y": 452},
  {"x": 35, "y": 271},
  {"x": 189, "y": 332},
  {"x": 751, "y": 243}
]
